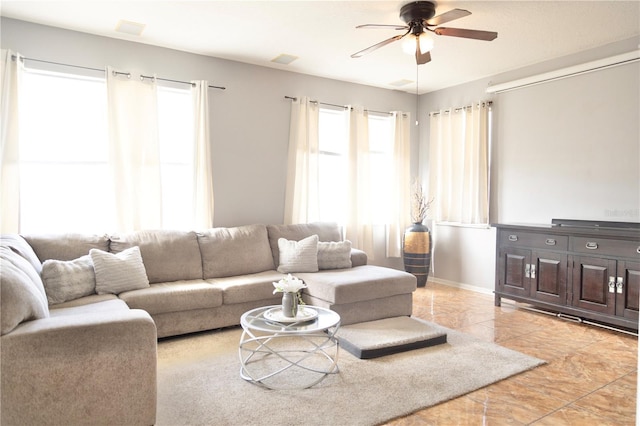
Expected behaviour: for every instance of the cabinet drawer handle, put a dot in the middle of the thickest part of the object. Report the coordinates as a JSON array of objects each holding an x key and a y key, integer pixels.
[
  {"x": 638, "y": 249},
  {"x": 591, "y": 245},
  {"x": 515, "y": 238},
  {"x": 550, "y": 242}
]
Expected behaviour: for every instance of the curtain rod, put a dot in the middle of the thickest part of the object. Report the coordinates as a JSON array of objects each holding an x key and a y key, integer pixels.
[
  {"x": 486, "y": 103},
  {"x": 293, "y": 98},
  {"x": 142, "y": 77}
]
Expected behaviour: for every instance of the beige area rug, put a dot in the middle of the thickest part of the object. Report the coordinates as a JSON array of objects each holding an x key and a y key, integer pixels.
[{"x": 199, "y": 383}]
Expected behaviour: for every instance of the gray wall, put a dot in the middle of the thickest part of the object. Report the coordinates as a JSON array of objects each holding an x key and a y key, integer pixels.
[
  {"x": 593, "y": 173},
  {"x": 249, "y": 120},
  {"x": 564, "y": 149}
]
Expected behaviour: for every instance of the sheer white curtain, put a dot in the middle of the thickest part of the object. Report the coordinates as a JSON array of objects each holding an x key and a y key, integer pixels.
[
  {"x": 203, "y": 173},
  {"x": 359, "y": 224},
  {"x": 302, "y": 190},
  {"x": 134, "y": 151},
  {"x": 459, "y": 164},
  {"x": 9, "y": 149},
  {"x": 399, "y": 202}
]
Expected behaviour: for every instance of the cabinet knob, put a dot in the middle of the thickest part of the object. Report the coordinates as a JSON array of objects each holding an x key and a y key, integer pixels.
[
  {"x": 515, "y": 238},
  {"x": 638, "y": 249},
  {"x": 591, "y": 245}
]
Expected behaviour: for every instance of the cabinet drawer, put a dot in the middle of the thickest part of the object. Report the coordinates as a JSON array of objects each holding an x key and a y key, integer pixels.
[
  {"x": 606, "y": 247},
  {"x": 533, "y": 240}
]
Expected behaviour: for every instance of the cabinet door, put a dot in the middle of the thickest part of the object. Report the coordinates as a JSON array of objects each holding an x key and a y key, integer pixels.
[
  {"x": 628, "y": 293},
  {"x": 549, "y": 277},
  {"x": 514, "y": 271},
  {"x": 593, "y": 288}
]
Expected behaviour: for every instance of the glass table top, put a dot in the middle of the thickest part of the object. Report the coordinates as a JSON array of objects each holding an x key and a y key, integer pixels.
[{"x": 265, "y": 319}]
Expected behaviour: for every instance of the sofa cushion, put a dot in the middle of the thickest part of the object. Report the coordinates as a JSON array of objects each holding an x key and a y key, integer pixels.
[
  {"x": 116, "y": 273},
  {"x": 21, "y": 247},
  {"x": 326, "y": 231},
  {"x": 358, "y": 257},
  {"x": 227, "y": 252},
  {"x": 298, "y": 256},
  {"x": 22, "y": 296},
  {"x": 66, "y": 246},
  {"x": 366, "y": 282},
  {"x": 334, "y": 254},
  {"x": 25, "y": 266},
  {"x": 86, "y": 300},
  {"x": 176, "y": 296},
  {"x": 247, "y": 288},
  {"x": 106, "y": 305},
  {"x": 68, "y": 280},
  {"x": 167, "y": 255}
]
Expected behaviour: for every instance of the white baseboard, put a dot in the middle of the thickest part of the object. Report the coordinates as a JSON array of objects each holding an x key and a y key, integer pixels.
[{"x": 461, "y": 285}]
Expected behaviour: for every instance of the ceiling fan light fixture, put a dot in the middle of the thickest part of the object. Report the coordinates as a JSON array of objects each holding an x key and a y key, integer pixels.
[
  {"x": 409, "y": 43},
  {"x": 426, "y": 42}
]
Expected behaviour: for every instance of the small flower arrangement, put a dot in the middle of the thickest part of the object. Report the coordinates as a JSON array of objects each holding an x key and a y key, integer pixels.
[
  {"x": 289, "y": 284},
  {"x": 290, "y": 287}
]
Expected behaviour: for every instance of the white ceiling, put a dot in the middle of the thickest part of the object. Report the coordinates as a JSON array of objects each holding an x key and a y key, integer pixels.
[{"x": 323, "y": 34}]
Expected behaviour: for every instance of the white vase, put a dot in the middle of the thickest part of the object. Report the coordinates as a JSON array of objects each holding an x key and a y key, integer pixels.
[{"x": 289, "y": 304}]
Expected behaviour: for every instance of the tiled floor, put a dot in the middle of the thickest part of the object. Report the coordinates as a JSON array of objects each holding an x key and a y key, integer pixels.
[{"x": 589, "y": 378}]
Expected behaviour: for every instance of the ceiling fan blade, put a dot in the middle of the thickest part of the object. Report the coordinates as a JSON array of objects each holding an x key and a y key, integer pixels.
[
  {"x": 422, "y": 58},
  {"x": 383, "y": 27},
  {"x": 447, "y": 17},
  {"x": 460, "y": 32},
  {"x": 377, "y": 46}
]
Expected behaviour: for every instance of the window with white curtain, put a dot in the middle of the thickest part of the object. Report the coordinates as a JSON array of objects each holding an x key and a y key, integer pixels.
[
  {"x": 459, "y": 160},
  {"x": 64, "y": 176},
  {"x": 333, "y": 145}
]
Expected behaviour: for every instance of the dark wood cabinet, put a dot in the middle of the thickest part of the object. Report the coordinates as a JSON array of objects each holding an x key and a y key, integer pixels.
[{"x": 586, "y": 269}]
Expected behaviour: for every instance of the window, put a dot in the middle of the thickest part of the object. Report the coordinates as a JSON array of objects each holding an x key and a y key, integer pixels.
[
  {"x": 175, "y": 118},
  {"x": 381, "y": 146},
  {"x": 333, "y": 144},
  {"x": 64, "y": 173},
  {"x": 332, "y": 164},
  {"x": 65, "y": 180}
]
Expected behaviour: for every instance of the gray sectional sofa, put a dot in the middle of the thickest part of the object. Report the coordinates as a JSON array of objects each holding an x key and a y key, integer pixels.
[{"x": 81, "y": 314}]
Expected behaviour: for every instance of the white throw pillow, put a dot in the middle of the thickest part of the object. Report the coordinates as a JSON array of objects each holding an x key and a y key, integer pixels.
[
  {"x": 119, "y": 272},
  {"x": 68, "y": 280},
  {"x": 298, "y": 256},
  {"x": 334, "y": 254}
]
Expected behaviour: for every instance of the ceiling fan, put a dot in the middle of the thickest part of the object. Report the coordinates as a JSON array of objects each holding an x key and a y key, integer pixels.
[{"x": 419, "y": 18}]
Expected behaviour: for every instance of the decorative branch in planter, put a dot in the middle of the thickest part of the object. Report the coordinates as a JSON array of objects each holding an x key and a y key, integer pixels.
[
  {"x": 419, "y": 204},
  {"x": 416, "y": 242}
]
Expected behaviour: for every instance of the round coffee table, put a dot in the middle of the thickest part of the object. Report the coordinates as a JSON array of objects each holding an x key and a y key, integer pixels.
[{"x": 287, "y": 353}]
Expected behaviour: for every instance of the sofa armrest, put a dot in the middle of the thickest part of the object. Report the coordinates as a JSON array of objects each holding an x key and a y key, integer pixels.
[
  {"x": 358, "y": 257},
  {"x": 98, "y": 368}
]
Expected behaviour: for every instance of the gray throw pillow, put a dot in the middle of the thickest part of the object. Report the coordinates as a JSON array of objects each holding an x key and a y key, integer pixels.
[
  {"x": 21, "y": 298},
  {"x": 334, "y": 255},
  {"x": 116, "y": 273},
  {"x": 68, "y": 280},
  {"x": 298, "y": 256}
]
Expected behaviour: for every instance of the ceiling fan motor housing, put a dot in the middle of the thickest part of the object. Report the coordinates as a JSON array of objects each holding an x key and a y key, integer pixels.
[{"x": 417, "y": 11}]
